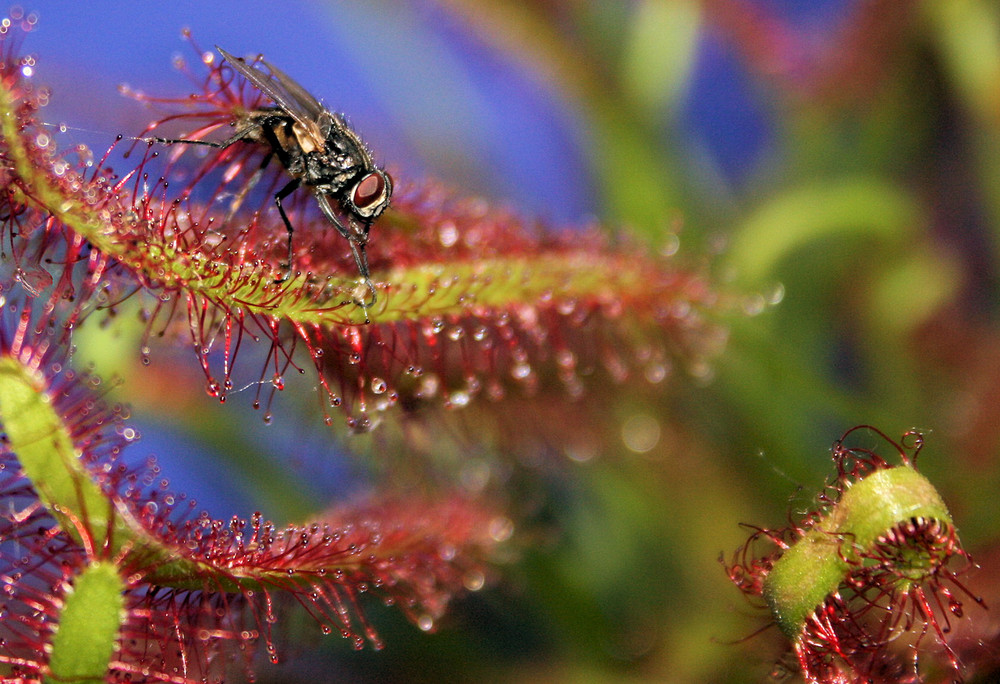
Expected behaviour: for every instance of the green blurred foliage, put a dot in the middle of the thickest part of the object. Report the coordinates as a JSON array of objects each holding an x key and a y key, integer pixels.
[{"x": 874, "y": 214}]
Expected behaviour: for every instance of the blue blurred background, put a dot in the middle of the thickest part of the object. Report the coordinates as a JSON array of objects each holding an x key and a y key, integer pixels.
[{"x": 427, "y": 96}]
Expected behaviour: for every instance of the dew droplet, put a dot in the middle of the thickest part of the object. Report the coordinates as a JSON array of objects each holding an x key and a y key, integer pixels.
[
  {"x": 754, "y": 305},
  {"x": 458, "y": 400},
  {"x": 566, "y": 307},
  {"x": 641, "y": 433},
  {"x": 474, "y": 581},
  {"x": 656, "y": 372},
  {"x": 501, "y": 529},
  {"x": 670, "y": 245},
  {"x": 379, "y": 386},
  {"x": 565, "y": 358},
  {"x": 448, "y": 233},
  {"x": 428, "y": 386},
  {"x": 521, "y": 370},
  {"x": 581, "y": 453},
  {"x": 702, "y": 371},
  {"x": 361, "y": 424},
  {"x": 775, "y": 294}
]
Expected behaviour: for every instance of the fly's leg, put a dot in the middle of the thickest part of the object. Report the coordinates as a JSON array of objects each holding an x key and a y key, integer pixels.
[
  {"x": 236, "y": 137},
  {"x": 357, "y": 243},
  {"x": 247, "y": 132},
  {"x": 247, "y": 187},
  {"x": 280, "y": 195},
  {"x": 180, "y": 141},
  {"x": 241, "y": 134},
  {"x": 361, "y": 259}
]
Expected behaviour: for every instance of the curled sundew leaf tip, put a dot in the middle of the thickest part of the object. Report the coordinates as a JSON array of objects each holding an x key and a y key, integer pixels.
[{"x": 868, "y": 575}]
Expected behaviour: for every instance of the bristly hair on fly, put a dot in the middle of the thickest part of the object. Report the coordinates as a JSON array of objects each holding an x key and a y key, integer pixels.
[{"x": 316, "y": 148}]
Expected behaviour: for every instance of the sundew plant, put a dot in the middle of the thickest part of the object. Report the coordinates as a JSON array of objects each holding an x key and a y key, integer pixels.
[{"x": 470, "y": 440}]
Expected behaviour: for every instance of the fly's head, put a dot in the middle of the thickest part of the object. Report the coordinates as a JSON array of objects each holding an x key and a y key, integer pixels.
[{"x": 366, "y": 200}]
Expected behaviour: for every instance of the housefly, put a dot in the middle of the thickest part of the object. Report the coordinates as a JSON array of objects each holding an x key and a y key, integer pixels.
[{"x": 318, "y": 151}]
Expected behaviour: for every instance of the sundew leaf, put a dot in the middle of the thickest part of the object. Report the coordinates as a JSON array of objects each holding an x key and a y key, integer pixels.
[
  {"x": 182, "y": 573},
  {"x": 873, "y": 570},
  {"x": 88, "y": 626},
  {"x": 820, "y": 561},
  {"x": 472, "y": 300},
  {"x": 45, "y": 448}
]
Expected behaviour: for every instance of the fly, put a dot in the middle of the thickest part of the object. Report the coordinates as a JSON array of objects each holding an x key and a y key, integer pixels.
[{"x": 318, "y": 151}]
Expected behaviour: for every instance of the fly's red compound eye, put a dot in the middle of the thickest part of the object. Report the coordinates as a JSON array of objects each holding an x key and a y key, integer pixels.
[{"x": 369, "y": 192}]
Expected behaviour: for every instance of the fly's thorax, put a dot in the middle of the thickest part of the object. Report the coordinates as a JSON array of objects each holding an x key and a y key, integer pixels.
[{"x": 331, "y": 174}]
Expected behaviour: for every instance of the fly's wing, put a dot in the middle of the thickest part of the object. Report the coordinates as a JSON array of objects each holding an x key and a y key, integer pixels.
[
  {"x": 290, "y": 97},
  {"x": 304, "y": 97}
]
